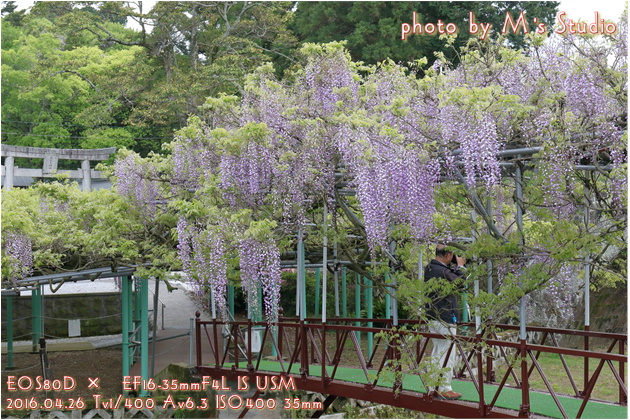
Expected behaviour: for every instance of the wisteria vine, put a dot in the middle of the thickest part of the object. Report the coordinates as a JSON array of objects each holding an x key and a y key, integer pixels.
[{"x": 393, "y": 136}]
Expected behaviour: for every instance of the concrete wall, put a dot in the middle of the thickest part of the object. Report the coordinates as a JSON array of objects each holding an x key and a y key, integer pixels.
[{"x": 100, "y": 314}]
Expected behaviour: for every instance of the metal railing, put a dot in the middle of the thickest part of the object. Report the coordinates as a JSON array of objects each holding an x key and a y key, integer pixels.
[
  {"x": 162, "y": 307},
  {"x": 314, "y": 354}
]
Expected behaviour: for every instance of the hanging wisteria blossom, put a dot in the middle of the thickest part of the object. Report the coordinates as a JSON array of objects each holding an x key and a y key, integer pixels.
[
  {"x": 202, "y": 253},
  {"x": 260, "y": 266},
  {"x": 18, "y": 255},
  {"x": 138, "y": 182},
  {"x": 396, "y": 140}
]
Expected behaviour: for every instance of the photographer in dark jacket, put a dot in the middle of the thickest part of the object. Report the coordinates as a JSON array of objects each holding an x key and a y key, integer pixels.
[{"x": 443, "y": 314}]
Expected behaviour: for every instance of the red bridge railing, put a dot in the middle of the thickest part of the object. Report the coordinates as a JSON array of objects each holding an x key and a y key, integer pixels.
[{"x": 320, "y": 351}]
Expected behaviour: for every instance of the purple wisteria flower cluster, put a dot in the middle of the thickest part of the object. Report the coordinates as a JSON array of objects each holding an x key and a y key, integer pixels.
[
  {"x": 281, "y": 150},
  {"x": 260, "y": 266},
  {"x": 203, "y": 256},
  {"x": 18, "y": 255},
  {"x": 191, "y": 162},
  {"x": 139, "y": 182},
  {"x": 560, "y": 293}
]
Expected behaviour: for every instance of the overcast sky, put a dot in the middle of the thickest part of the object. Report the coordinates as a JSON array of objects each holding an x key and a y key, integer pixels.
[{"x": 582, "y": 9}]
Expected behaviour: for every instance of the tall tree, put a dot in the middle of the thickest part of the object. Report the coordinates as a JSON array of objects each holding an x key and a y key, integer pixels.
[
  {"x": 75, "y": 67},
  {"x": 373, "y": 29},
  {"x": 12, "y": 15},
  {"x": 57, "y": 91},
  {"x": 202, "y": 48}
]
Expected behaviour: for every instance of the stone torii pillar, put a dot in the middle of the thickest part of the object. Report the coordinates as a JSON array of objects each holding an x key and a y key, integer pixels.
[
  {"x": 87, "y": 176},
  {"x": 9, "y": 169},
  {"x": 51, "y": 158}
]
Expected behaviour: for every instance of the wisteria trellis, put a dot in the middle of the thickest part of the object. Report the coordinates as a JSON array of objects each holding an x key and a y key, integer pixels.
[{"x": 278, "y": 151}]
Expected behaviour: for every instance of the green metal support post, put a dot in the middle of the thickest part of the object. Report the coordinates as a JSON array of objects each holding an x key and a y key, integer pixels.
[
  {"x": 317, "y": 291},
  {"x": 135, "y": 318},
  {"x": 9, "y": 333},
  {"x": 370, "y": 313},
  {"x": 126, "y": 325},
  {"x": 144, "y": 332},
  {"x": 388, "y": 302},
  {"x": 357, "y": 304},
  {"x": 136, "y": 306},
  {"x": 344, "y": 297},
  {"x": 36, "y": 313},
  {"x": 130, "y": 319}
]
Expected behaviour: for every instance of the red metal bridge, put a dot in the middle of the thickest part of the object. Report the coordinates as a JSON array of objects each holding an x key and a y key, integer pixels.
[{"x": 497, "y": 373}]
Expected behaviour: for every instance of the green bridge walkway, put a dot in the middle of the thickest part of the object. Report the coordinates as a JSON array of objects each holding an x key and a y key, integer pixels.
[{"x": 541, "y": 403}]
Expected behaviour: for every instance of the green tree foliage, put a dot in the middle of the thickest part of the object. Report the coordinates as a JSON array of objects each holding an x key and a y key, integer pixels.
[
  {"x": 55, "y": 94},
  {"x": 98, "y": 138},
  {"x": 12, "y": 16},
  {"x": 72, "y": 229},
  {"x": 373, "y": 29},
  {"x": 75, "y": 65}
]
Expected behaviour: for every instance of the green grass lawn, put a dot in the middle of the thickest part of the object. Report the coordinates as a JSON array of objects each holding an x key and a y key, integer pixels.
[{"x": 606, "y": 387}]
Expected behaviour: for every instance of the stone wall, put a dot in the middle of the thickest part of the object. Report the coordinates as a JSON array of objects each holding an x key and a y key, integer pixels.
[
  {"x": 609, "y": 310},
  {"x": 609, "y": 313},
  {"x": 100, "y": 314}
]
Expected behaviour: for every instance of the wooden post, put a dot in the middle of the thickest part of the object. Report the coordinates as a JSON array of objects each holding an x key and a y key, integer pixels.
[{"x": 524, "y": 409}]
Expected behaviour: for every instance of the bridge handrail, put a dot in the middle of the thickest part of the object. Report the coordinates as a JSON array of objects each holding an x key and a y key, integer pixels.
[
  {"x": 471, "y": 339},
  {"x": 290, "y": 321},
  {"x": 308, "y": 332},
  {"x": 583, "y": 333},
  {"x": 532, "y": 328}
]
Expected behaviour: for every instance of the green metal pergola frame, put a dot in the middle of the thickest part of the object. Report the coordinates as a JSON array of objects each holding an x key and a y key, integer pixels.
[
  {"x": 391, "y": 307},
  {"x": 135, "y": 311}
]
